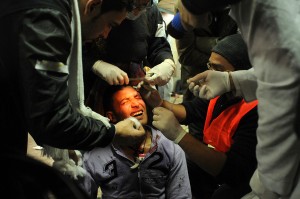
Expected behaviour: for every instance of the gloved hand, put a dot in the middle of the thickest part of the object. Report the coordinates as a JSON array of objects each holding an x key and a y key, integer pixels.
[
  {"x": 128, "y": 134},
  {"x": 209, "y": 84},
  {"x": 68, "y": 167},
  {"x": 110, "y": 73},
  {"x": 161, "y": 73},
  {"x": 150, "y": 95},
  {"x": 165, "y": 121}
]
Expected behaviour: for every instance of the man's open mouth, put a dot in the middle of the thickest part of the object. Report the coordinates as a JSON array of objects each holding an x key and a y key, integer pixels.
[{"x": 137, "y": 114}]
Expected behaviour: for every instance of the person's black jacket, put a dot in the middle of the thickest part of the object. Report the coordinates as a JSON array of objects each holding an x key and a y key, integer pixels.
[{"x": 35, "y": 100}]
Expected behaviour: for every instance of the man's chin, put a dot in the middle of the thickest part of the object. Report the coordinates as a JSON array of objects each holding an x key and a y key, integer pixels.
[{"x": 142, "y": 120}]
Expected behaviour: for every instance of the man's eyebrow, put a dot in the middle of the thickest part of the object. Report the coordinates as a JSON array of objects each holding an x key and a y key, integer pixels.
[{"x": 124, "y": 99}]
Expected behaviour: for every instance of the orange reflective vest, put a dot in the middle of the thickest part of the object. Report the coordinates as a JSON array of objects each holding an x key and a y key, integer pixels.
[{"x": 219, "y": 132}]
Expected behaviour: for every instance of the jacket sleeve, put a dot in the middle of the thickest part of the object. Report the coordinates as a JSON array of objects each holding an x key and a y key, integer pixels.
[
  {"x": 46, "y": 37},
  {"x": 159, "y": 47},
  {"x": 178, "y": 186},
  {"x": 196, "y": 110},
  {"x": 245, "y": 83}
]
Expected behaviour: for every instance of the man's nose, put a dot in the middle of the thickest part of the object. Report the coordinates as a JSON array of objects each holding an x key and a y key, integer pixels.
[{"x": 134, "y": 103}]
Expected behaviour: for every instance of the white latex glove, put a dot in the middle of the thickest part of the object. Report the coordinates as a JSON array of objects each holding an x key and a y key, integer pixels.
[
  {"x": 128, "y": 133},
  {"x": 209, "y": 84},
  {"x": 112, "y": 74},
  {"x": 150, "y": 95},
  {"x": 161, "y": 73},
  {"x": 68, "y": 167},
  {"x": 165, "y": 121}
]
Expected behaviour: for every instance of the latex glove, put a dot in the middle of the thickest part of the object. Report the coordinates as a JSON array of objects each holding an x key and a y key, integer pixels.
[
  {"x": 76, "y": 156},
  {"x": 165, "y": 121},
  {"x": 68, "y": 167},
  {"x": 161, "y": 73},
  {"x": 150, "y": 95},
  {"x": 112, "y": 74},
  {"x": 128, "y": 133},
  {"x": 209, "y": 84}
]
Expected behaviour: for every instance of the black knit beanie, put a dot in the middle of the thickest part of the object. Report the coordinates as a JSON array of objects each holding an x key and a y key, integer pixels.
[
  {"x": 234, "y": 49},
  {"x": 198, "y": 7}
]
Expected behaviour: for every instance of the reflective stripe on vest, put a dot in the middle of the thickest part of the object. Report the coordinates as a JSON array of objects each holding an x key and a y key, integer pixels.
[{"x": 219, "y": 132}]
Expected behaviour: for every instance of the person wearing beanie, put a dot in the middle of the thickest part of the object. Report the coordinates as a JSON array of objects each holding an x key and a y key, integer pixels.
[
  {"x": 195, "y": 37},
  {"x": 234, "y": 45},
  {"x": 221, "y": 163}
]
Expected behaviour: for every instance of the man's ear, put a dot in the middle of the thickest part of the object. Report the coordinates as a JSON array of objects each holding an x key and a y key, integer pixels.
[
  {"x": 111, "y": 116},
  {"x": 91, "y": 5}
]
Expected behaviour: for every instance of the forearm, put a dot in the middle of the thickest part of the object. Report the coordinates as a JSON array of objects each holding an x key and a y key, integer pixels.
[
  {"x": 207, "y": 158},
  {"x": 177, "y": 109},
  {"x": 53, "y": 120},
  {"x": 159, "y": 50}
]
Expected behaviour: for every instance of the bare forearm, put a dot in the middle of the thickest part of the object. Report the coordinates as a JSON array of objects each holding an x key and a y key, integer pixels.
[
  {"x": 177, "y": 109},
  {"x": 207, "y": 158}
]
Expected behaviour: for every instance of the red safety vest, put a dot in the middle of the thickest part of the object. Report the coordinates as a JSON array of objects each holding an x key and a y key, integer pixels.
[{"x": 219, "y": 132}]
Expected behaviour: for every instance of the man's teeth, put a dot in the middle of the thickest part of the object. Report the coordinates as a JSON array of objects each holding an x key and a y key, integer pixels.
[{"x": 137, "y": 113}]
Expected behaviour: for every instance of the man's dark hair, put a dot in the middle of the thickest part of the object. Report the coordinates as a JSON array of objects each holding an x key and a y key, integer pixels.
[
  {"x": 116, "y": 5},
  {"x": 108, "y": 97}
]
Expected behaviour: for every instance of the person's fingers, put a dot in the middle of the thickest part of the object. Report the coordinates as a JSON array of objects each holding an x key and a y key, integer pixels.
[
  {"x": 120, "y": 79},
  {"x": 151, "y": 79},
  {"x": 110, "y": 81},
  {"x": 116, "y": 82},
  {"x": 123, "y": 78},
  {"x": 196, "y": 90},
  {"x": 139, "y": 132},
  {"x": 140, "y": 85},
  {"x": 155, "y": 117},
  {"x": 154, "y": 123},
  {"x": 157, "y": 110},
  {"x": 191, "y": 86},
  {"x": 203, "y": 92},
  {"x": 126, "y": 79},
  {"x": 198, "y": 77}
]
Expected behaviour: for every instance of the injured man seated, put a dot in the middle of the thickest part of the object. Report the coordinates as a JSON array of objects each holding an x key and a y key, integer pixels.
[{"x": 154, "y": 168}]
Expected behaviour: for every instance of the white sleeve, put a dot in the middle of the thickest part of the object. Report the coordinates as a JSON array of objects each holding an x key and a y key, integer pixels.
[
  {"x": 273, "y": 45},
  {"x": 245, "y": 84}
]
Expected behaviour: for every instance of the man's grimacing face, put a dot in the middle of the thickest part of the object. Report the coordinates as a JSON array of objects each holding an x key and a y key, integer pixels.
[{"x": 129, "y": 103}]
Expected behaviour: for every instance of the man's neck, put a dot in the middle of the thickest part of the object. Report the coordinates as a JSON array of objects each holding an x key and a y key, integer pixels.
[{"x": 141, "y": 148}]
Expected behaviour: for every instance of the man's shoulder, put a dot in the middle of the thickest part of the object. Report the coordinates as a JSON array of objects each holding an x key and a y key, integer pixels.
[
  {"x": 98, "y": 152},
  {"x": 9, "y": 7}
]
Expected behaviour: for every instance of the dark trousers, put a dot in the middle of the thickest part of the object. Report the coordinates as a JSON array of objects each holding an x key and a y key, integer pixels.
[{"x": 205, "y": 186}]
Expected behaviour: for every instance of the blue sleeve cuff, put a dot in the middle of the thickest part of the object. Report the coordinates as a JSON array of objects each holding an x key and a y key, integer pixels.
[{"x": 176, "y": 23}]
